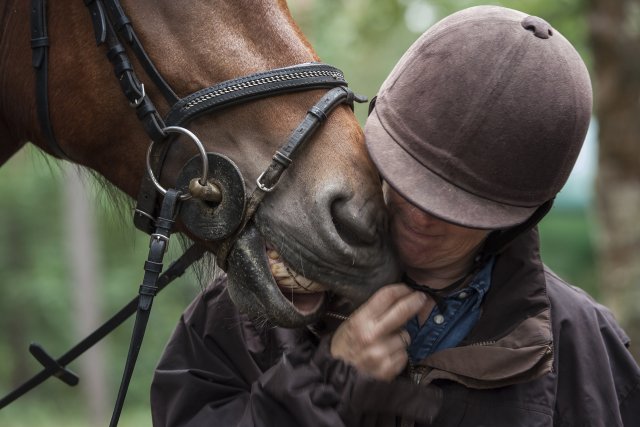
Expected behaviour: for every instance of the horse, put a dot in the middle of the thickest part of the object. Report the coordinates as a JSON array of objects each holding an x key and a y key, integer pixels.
[{"x": 323, "y": 226}]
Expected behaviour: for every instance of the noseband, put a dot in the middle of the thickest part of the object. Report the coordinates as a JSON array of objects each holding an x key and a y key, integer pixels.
[{"x": 210, "y": 185}]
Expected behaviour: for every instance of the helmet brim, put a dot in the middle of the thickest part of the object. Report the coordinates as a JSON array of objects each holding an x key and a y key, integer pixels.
[{"x": 430, "y": 192}]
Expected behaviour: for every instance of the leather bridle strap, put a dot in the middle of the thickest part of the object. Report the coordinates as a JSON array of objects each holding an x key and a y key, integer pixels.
[
  {"x": 123, "y": 26},
  {"x": 40, "y": 62},
  {"x": 225, "y": 94},
  {"x": 148, "y": 289},
  {"x": 281, "y": 160},
  {"x": 130, "y": 84},
  {"x": 255, "y": 86},
  {"x": 57, "y": 367}
]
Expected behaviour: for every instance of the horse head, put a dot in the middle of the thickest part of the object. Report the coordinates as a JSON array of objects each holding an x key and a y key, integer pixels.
[{"x": 321, "y": 231}]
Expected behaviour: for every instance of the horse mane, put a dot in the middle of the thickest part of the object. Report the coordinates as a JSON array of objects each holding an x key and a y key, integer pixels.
[{"x": 119, "y": 207}]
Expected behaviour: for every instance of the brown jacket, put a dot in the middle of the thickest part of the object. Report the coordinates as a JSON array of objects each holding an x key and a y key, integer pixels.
[{"x": 542, "y": 354}]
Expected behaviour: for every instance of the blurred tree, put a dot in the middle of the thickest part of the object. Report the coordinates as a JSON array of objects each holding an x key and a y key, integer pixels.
[
  {"x": 615, "y": 41},
  {"x": 364, "y": 38},
  {"x": 86, "y": 284},
  {"x": 37, "y": 303}
]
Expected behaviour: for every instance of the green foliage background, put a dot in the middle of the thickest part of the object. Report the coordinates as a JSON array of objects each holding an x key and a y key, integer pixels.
[
  {"x": 362, "y": 37},
  {"x": 36, "y": 296}
]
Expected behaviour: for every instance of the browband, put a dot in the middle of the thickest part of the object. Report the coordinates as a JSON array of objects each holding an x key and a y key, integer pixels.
[{"x": 280, "y": 80}]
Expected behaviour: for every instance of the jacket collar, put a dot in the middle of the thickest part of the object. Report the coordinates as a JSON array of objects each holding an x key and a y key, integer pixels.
[{"x": 512, "y": 341}]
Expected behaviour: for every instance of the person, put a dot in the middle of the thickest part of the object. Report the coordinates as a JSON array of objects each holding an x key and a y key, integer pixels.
[{"x": 474, "y": 133}]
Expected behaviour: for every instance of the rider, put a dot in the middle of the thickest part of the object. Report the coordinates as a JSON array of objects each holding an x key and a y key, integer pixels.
[{"x": 474, "y": 133}]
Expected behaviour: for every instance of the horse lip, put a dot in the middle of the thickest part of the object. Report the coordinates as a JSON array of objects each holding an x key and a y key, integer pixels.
[
  {"x": 252, "y": 286},
  {"x": 356, "y": 275}
]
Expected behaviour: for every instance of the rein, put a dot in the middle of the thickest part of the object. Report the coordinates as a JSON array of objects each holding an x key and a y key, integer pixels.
[{"x": 217, "y": 179}]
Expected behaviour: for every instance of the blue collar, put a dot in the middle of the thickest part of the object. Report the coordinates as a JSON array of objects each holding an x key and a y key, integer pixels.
[{"x": 450, "y": 322}]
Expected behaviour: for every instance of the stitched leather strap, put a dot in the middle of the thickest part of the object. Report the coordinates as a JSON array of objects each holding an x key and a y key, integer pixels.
[
  {"x": 284, "y": 157},
  {"x": 40, "y": 62},
  {"x": 260, "y": 85},
  {"x": 244, "y": 89}
]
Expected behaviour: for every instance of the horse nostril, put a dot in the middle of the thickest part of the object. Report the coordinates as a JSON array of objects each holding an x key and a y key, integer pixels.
[{"x": 356, "y": 223}]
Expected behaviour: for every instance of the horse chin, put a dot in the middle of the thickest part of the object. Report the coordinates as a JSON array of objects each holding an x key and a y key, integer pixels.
[{"x": 254, "y": 290}]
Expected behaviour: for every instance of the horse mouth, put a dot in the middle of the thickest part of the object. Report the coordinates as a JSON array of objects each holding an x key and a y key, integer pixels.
[
  {"x": 263, "y": 286},
  {"x": 305, "y": 295}
]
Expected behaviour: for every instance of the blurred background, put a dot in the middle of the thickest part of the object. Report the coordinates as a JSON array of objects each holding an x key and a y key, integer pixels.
[{"x": 69, "y": 259}]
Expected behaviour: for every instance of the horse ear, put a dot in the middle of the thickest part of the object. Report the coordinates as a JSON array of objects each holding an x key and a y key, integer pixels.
[{"x": 372, "y": 105}]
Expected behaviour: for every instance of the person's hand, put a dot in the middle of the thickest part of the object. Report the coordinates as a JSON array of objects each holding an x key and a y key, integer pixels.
[{"x": 373, "y": 339}]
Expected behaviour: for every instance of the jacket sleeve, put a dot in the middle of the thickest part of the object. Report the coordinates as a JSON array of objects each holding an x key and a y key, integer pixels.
[
  {"x": 197, "y": 384},
  {"x": 212, "y": 375},
  {"x": 598, "y": 379}
]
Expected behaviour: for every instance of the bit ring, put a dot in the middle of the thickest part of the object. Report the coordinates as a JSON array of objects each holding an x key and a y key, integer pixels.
[{"x": 203, "y": 154}]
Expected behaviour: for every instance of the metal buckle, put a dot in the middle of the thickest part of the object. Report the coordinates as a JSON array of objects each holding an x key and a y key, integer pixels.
[
  {"x": 137, "y": 102},
  {"x": 262, "y": 186},
  {"x": 162, "y": 237}
]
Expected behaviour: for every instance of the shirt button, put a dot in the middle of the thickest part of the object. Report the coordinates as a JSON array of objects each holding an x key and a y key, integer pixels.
[
  {"x": 438, "y": 319},
  {"x": 463, "y": 295}
]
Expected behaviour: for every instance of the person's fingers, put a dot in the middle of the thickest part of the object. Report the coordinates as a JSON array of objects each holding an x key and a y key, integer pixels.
[
  {"x": 381, "y": 300},
  {"x": 392, "y": 365},
  {"x": 399, "y": 314},
  {"x": 374, "y": 339},
  {"x": 405, "y": 337},
  {"x": 398, "y": 341},
  {"x": 374, "y": 357},
  {"x": 362, "y": 328}
]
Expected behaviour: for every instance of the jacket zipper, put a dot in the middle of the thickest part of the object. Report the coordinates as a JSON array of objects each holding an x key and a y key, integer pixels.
[
  {"x": 336, "y": 315},
  {"x": 487, "y": 342},
  {"x": 414, "y": 375}
]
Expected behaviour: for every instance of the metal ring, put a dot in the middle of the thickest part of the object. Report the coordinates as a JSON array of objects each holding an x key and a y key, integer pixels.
[{"x": 203, "y": 154}]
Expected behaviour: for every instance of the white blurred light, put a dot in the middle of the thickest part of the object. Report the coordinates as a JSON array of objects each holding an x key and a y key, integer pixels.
[
  {"x": 419, "y": 16},
  {"x": 578, "y": 191}
]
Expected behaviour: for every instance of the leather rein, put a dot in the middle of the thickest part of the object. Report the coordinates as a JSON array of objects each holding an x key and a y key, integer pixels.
[{"x": 154, "y": 215}]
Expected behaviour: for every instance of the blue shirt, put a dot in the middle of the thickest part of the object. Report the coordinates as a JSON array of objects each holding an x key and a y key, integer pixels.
[{"x": 446, "y": 330}]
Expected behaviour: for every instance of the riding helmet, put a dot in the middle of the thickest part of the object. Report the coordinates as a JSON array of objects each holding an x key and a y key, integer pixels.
[{"x": 482, "y": 119}]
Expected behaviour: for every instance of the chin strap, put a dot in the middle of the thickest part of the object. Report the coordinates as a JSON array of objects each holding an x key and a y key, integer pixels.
[
  {"x": 499, "y": 240},
  {"x": 496, "y": 242},
  {"x": 438, "y": 295}
]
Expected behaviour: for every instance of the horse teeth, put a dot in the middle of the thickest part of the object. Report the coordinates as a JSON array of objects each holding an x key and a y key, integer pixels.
[
  {"x": 289, "y": 279},
  {"x": 279, "y": 270}
]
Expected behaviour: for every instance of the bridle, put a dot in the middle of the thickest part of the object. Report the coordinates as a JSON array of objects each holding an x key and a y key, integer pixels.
[
  {"x": 210, "y": 184},
  {"x": 111, "y": 28}
]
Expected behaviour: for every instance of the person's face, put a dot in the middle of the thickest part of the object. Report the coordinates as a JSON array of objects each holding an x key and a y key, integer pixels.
[{"x": 425, "y": 242}]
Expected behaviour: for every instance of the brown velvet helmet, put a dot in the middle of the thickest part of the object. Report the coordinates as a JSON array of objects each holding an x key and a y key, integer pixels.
[{"x": 481, "y": 121}]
